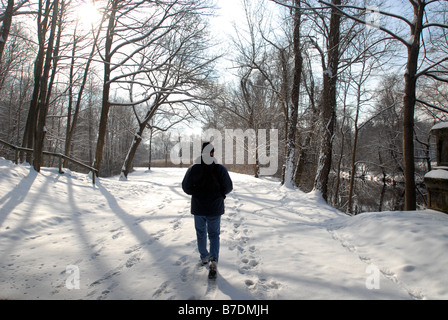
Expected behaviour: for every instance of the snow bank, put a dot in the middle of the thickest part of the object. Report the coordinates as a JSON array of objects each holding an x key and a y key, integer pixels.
[
  {"x": 63, "y": 238},
  {"x": 437, "y": 174},
  {"x": 440, "y": 125}
]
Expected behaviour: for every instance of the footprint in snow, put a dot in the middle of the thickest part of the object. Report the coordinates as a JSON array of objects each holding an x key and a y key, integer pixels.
[{"x": 161, "y": 290}]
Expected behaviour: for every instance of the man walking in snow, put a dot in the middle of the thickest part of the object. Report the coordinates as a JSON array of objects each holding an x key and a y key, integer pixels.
[{"x": 208, "y": 183}]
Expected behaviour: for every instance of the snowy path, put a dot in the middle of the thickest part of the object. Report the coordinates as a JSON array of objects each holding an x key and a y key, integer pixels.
[{"x": 136, "y": 240}]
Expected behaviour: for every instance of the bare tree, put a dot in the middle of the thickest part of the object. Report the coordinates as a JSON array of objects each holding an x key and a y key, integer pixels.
[
  {"x": 111, "y": 10},
  {"x": 171, "y": 67},
  {"x": 251, "y": 107},
  {"x": 15, "y": 84},
  {"x": 6, "y": 26},
  {"x": 281, "y": 73},
  {"x": 366, "y": 61},
  {"x": 148, "y": 52},
  {"x": 328, "y": 103},
  {"x": 74, "y": 105},
  {"x": 420, "y": 28},
  {"x": 47, "y": 18},
  {"x": 295, "y": 94},
  {"x": 6, "y": 19}
]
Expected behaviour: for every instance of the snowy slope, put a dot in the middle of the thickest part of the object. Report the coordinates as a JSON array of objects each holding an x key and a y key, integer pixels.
[{"x": 135, "y": 240}]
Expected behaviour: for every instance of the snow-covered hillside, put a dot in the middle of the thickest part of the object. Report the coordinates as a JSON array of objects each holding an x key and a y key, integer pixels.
[{"x": 63, "y": 238}]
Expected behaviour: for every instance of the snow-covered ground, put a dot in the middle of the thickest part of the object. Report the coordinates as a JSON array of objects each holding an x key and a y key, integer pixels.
[{"x": 63, "y": 238}]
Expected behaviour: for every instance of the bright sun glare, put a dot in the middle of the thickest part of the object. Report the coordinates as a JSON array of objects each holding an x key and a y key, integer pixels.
[{"x": 88, "y": 14}]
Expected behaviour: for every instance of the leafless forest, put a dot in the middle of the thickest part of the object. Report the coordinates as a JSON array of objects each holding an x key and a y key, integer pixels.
[{"x": 353, "y": 87}]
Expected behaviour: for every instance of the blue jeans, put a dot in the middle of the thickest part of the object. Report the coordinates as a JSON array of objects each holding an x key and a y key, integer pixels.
[{"x": 212, "y": 227}]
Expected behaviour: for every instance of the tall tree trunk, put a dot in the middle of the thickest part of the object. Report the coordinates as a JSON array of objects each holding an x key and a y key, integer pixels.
[
  {"x": 354, "y": 150},
  {"x": 306, "y": 160},
  {"x": 127, "y": 166},
  {"x": 68, "y": 136},
  {"x": 6, "y": 26},
  {"x": 409, "y": 100},
  {"x": 31, "y": 122},
  {"x": 295, "y": 93},
  {"x": 45, "y": 92},
  {"x": 341, "y": 157},
  {"x": 284, "y": 100},
  {"x": 71, "y": 124},
  {"x": 106, "y": 87},
  {"x": 328, "y": 113}
]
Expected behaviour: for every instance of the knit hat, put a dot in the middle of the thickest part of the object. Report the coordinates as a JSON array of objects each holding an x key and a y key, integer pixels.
[{"x": 207, "y": 153}]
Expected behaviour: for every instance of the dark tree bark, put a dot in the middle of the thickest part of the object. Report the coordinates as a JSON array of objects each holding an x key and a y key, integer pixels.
[
  {"x": 35, "y": 127},
  {"x": 291, "y": 146},
  {"x": 106, "y": 86},
  {"x": 413, "y": 46},
  {"x": 409, "y": 99},
  {"x": 4, "y": 31},
  {"x": 45, "y": 90},
  {"x": 328, "y": 105}
]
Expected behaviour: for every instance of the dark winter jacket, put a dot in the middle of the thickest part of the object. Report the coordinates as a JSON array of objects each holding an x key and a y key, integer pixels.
[{"x": 208, "y": 186}]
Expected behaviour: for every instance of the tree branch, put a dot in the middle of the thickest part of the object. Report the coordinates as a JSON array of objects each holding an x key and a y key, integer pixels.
[
  {"x": 432, "y": 105},
  {"x": 392, "y": 34}
]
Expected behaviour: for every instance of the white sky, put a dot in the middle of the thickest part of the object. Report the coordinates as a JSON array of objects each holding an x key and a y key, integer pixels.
[{"x": 228, "y": 12}]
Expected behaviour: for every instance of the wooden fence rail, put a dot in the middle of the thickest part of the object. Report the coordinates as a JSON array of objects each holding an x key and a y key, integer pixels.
[{"x": 60, "y": 156}]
